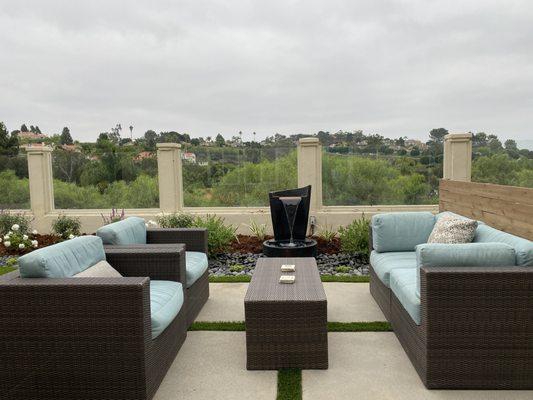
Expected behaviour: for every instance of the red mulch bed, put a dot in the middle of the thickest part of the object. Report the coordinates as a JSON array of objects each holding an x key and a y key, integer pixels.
[
  {"x": 251, "y": 244},
  {"x": 44, "y": 240}
]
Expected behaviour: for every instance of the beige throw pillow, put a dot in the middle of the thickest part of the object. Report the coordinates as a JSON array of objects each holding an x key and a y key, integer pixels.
[
  {"x": 101, "y": 269},
  {"x": 453, "y": 230}
]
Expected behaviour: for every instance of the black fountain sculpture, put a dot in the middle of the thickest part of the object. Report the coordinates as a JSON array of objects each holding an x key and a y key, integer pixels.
[{"x": 290, "y": 212}]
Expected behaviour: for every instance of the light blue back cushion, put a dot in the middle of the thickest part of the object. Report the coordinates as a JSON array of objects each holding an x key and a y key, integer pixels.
[
  {"x": 131, "y": 230},
  {"x": 463, "y": 255},
  {"x": 62, "y": 260},
  {"x": 523, "y": 247},
  {"x": 401, "y": 231}
]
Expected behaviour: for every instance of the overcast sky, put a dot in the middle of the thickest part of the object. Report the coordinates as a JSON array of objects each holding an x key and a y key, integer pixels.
[{"x": 206, "y": 67}]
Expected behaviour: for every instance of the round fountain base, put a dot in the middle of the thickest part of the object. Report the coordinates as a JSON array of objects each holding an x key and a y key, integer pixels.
[{"x": 283, "y": 248}]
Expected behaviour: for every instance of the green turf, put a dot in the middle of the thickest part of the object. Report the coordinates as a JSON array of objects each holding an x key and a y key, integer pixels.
[
  {"x": 5, "y": 270},
  {"x": 230, "y": 279},
  {"x": 289, "y": 384},
  {"x": 375, "y": 326},
  {"x": 217, "y": 326},
  {"x": 325, "y": 278},
  {"x": 345, "y": 278}
]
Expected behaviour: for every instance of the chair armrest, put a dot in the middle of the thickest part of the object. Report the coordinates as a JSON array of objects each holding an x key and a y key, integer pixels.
[
  {"x": 477, "y": 306},
  {"x": 158, "y": 263},
  {"x": 65, "y": 327},
  {"x": 195, "y": 239}
]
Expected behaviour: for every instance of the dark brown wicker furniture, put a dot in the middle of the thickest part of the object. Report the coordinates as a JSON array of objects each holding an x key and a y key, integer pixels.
[
  {"x": 88, "y": 338},
  {"x": 476, "y": 329},
  {"x": 286, "y": 324},
  {"x": 194, "y": 239}
]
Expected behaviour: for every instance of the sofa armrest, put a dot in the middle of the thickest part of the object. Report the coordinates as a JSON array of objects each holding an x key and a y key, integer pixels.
[
  {"x": 195, "y": 239},
  {"x": 476, "y": 307},
  {"x": 157, "y": 263},
  {"x": 62, "y": 328}
]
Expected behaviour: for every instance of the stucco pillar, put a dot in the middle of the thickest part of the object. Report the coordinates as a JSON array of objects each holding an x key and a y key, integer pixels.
[
  {"x": 458, "y": 157},
  {"x": 310, "y": 169},
  {"x": 41, "y": 180},
  {"x": 170, "y": 177}
]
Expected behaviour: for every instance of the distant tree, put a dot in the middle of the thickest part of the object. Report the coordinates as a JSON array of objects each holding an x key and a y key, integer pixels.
[
  {"x": 511, "y": 148},
  {"x": 437, "y": 134},
  {"x": 415, "y": 152},
  {"x": 220, "y": 140},
  {"x": 9, "y": 144},
  {"x": 479, "y": 139},
  {"x": 66, "y": 138},
  {"x": 37, "y": 130},
  {"x": 494, "y": 144},
  {"x": 195, "y": 142},
  {"x": 400, "y": 142},
  {"x": 151, "y": 139},
  {"x": 24, "y": 128}
]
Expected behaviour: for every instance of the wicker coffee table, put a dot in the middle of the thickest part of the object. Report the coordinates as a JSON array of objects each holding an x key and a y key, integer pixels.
[{"x": 286, "y": 324}]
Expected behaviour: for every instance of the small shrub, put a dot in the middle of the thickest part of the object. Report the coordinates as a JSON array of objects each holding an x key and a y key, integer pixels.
[
  {"x": 258, "y": 230},
  {"x": 175, "y": 220},
  {"x": 343, "y": 269},
  {"x": 16, "y": 240},
  {"x": 220, "y": 235},
  {"x": 354, "y": 237},
  {"x": 7, "y": 220},
  {"x": 114, "y": 216},
  {"x": 11, "y": 262},
  {"x": 327, "y": 233},
  {"x": 66, "y": 227},
  {"x": 237, "y": 268}
]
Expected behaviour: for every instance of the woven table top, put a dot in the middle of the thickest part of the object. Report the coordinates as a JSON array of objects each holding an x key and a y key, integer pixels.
[{"x": 265, "y": 285}]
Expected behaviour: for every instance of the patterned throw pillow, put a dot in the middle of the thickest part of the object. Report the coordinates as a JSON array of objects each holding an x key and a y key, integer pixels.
[{"x": 453, "y": 230}]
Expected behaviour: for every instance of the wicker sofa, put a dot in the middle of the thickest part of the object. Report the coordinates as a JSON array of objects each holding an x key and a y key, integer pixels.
[
  {"x": 463, "y": 313},
  {"x": 132, "y": 233},
  {"x": 71, "y": 330}
]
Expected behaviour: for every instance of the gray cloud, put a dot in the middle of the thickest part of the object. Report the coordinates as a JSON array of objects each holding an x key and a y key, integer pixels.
[{"x": 390, "y": 67}]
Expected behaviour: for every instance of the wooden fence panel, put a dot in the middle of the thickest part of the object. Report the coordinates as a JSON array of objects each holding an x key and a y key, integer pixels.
[{"x": 508, "y": 208}]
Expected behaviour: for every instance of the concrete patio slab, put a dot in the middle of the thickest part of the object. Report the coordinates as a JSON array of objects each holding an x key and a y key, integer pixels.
[
  {"x": 347, "y": 302},
  {"x": 373, "y": 365},
  {"x": 351, "y": 302},
  {"x": 212, "y": 365}
]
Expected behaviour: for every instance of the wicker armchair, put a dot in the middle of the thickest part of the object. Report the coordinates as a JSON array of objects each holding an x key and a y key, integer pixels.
[
  {"x": 89, "y": 338},
  {"x": 194, "y": 239}
]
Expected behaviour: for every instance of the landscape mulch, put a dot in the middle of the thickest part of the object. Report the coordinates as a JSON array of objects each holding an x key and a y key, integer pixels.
[{"x": 251, "y": 244}]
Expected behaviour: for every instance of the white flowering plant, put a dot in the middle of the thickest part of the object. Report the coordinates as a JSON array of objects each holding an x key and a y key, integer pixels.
[{"x": 17, "y": 241}]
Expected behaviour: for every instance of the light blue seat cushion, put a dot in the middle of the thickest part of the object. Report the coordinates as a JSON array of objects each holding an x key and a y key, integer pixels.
[
  {"x": 131, "y": 230},
  {"x": 401, "y": 231},
  {"x": 62, "y": 260},
  {"x": 166, "y": 300},
  {"x": 384, "y": 263},
  {"x": 403, "y": 283},
  {"x": 463, "y": 255},
  {"x": 523, "y": 247},
  {"x": 195, "y": 265}
]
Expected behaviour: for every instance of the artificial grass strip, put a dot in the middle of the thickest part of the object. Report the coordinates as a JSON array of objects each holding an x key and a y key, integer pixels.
[
  {"x": 345, "y": 278},
  {"x": 230, "y": 279},
  {"x": 237, "y": 326},
  {"x": 5, "y": 270},
  {"x": 289, "y": 384},
  {"x": 374, "y": 326},
  {"x": 324, "y": 278}
]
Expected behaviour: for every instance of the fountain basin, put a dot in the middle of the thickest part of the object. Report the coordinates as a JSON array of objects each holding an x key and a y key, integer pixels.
[{"x": 283, "y": 248}]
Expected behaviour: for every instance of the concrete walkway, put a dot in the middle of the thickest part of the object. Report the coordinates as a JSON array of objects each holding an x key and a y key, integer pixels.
[
  {"x": 373, "y": 365},
  {"x": 212, "y": 365},
  {"x": 347, "y": 302}
]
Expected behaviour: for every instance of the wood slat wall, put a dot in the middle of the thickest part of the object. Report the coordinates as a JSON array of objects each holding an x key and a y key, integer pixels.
[{"x": 507, "y": 208}]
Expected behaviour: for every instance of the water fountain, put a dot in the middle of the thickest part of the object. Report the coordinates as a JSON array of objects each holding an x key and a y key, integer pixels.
[{"x": 290, "y": 212}]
